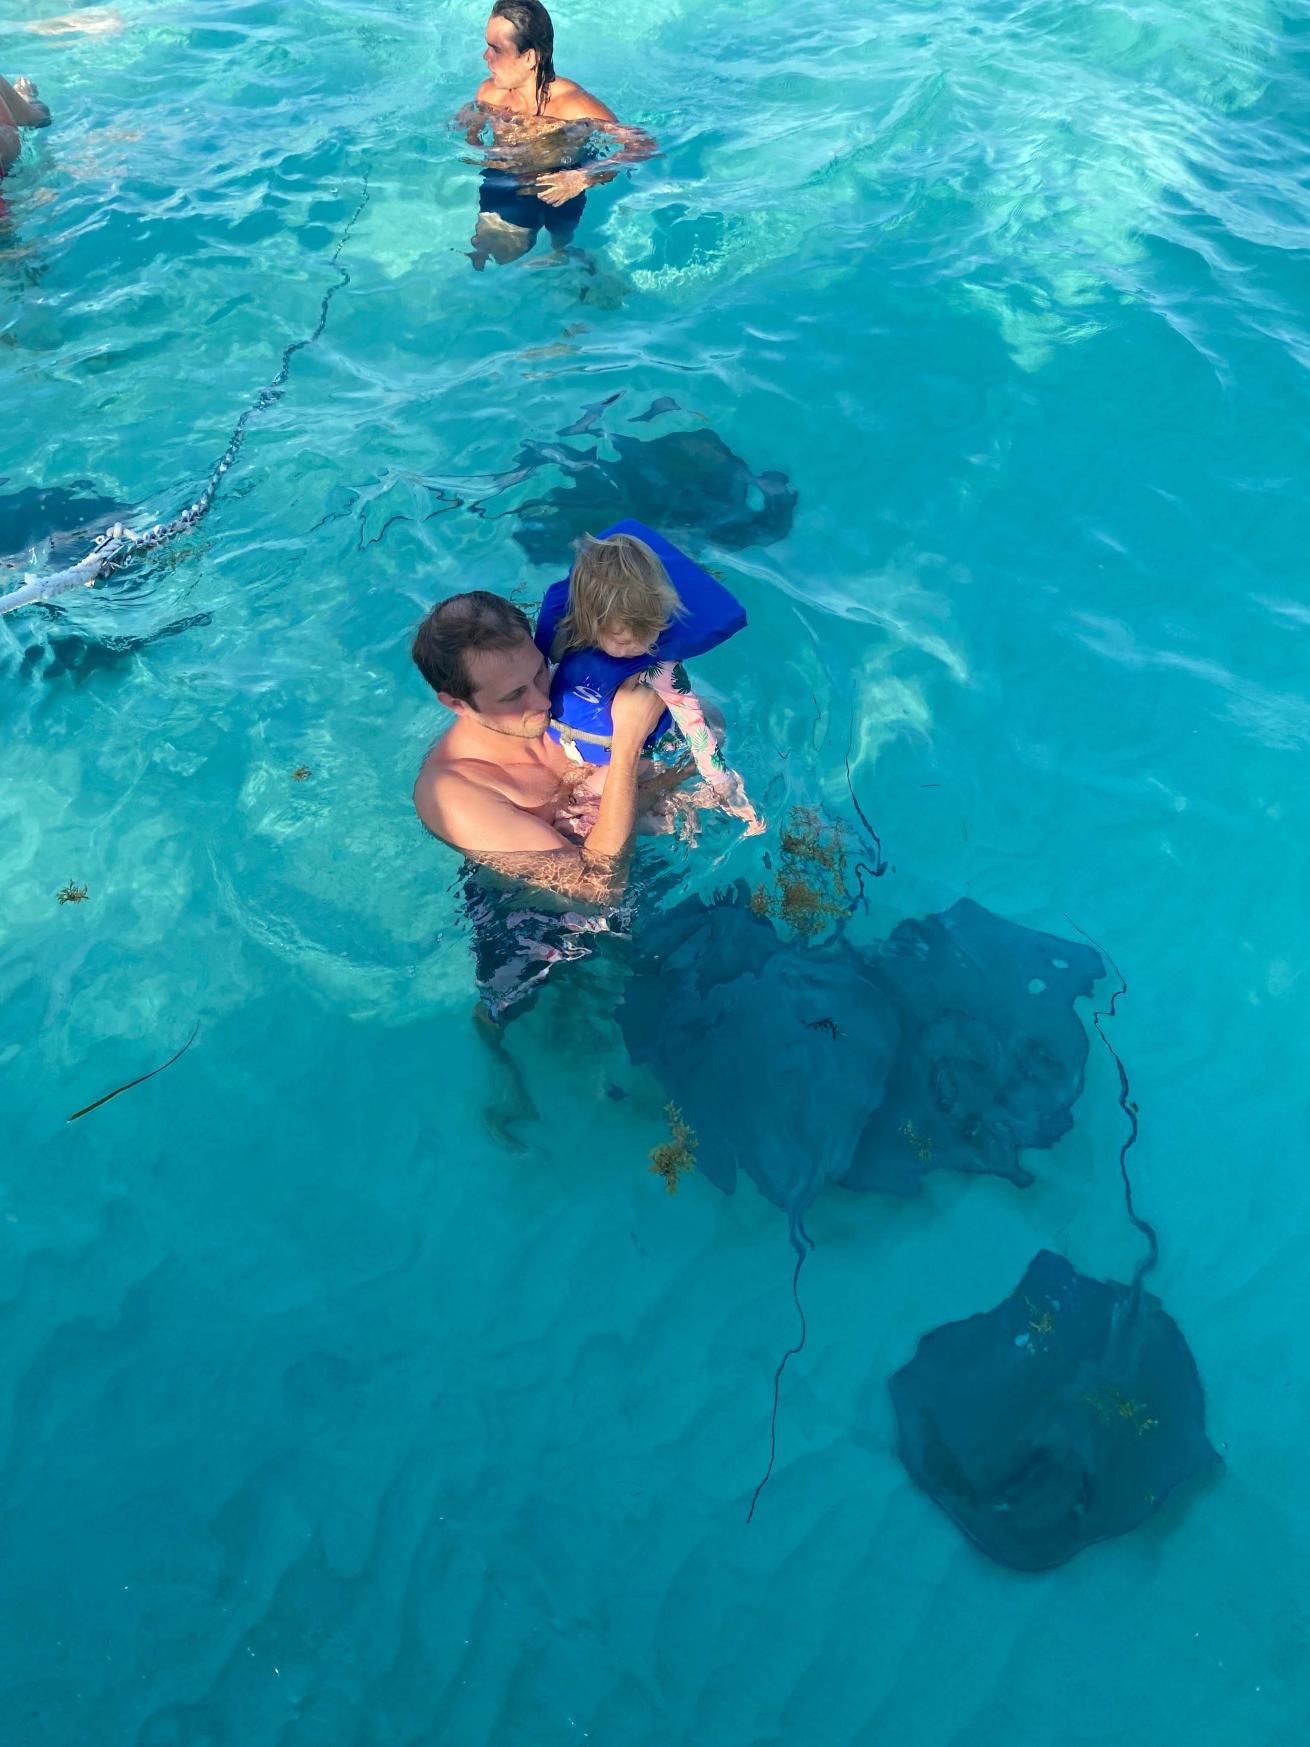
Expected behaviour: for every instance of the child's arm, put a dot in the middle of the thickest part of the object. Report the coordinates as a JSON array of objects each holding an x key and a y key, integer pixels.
[{"x": 670, "y": 680}]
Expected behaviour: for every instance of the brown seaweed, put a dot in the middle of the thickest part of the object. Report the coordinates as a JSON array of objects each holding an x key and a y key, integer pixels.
[{"x": 676, "y": 1154}]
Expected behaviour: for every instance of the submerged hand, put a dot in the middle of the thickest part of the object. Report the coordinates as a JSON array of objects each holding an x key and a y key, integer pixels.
[
  {"x": 562, "y": 185},
  {"x": 670, "y": 777},
  {"x": 749, "y": 817},
  {"x": 730, "y": 795}
]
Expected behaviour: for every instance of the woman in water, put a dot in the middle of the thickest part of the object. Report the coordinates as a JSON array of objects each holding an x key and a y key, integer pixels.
[{"x": 542, "y": 158}]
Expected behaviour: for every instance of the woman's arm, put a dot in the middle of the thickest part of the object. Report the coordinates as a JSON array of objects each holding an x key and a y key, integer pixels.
[
  {"x": 472, "y": 119},
  {"x": 635, "y": 146}
]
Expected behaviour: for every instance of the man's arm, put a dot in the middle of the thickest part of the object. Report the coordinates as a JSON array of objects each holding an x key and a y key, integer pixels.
[{"x": 493, "y": 831}]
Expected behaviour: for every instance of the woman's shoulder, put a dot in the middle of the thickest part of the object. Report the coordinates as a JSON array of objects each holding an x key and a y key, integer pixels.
[{"x": 570, "y": 102}]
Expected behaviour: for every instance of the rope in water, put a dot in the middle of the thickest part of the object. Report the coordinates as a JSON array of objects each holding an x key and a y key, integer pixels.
[{"x": 118, "y": 544}]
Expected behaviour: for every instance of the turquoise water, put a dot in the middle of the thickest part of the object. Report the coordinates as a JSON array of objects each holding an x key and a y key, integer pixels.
[{"x": 327, "y": 1415}]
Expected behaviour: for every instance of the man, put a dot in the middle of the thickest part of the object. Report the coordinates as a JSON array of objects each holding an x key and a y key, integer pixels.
[
  {"x": 19, "y": 107},
  {"x": 495, "y": 787},
  {"x": 540, "y": 166}
]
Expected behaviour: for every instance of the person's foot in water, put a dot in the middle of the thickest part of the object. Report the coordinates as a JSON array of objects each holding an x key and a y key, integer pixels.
[{"x": 512, "y": 1102}]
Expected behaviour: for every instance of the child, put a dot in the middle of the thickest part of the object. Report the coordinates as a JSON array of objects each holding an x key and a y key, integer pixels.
[{"x": 618, "y": 614}]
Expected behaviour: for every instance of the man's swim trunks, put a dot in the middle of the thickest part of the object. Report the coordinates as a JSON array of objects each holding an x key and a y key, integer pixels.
[
  {"x": 514, "y": 947},
  {"x": 513, "y": 200}
]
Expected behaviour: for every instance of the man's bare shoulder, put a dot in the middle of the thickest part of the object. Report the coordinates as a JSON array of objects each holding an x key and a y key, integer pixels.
[
  {"x": 445, "y": 789},
  {"x": 457, "y": 803}
]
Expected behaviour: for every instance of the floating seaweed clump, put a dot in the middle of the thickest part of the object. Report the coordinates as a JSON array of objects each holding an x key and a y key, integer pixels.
[
  {"x": 676, "y": 1154},
  {"x": 810, "y": 885},
  {"x": 811, "y": 837}
]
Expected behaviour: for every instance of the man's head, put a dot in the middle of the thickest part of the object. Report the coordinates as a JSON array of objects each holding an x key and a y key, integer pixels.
[
  {"x": 520, "y": 51},
  {"x": 476, "y": 652}
]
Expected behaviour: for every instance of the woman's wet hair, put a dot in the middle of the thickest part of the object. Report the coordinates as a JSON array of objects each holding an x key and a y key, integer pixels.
[
  {"x": 616, "y": 584},
  {"x": 532, "y": 30},
  {"x": 459, "y": 627}
]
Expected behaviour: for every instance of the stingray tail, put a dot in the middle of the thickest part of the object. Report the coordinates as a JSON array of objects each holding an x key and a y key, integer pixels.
[
  {"x": 802, "y": 1243},
  {"x": 878, "y": 867},
  {"x": 1129, "y": 1109}
]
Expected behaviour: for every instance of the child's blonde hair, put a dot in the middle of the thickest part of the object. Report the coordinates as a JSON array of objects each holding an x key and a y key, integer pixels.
[{"x": 616, "y": 583}]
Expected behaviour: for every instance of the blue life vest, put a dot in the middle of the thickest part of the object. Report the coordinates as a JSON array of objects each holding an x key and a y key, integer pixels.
[{"x": 583, "y": 685}]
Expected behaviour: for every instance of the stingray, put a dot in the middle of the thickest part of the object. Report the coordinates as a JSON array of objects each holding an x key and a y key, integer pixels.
[
  {"x": 799, "y": 1063},
  {"x": 1066, "y": 1415},
  {"x": 952, "y": 1046},
  {"x": 76, "y": 657},
  {"x": 68, "y": 516},
  {"x": 683, "y": 482},
  {"x": 992, "y": 1052},
  {"x": 591, "y": 416},
  {"x": 533, "y": 455},
  {"x": 715, "y": 997}
]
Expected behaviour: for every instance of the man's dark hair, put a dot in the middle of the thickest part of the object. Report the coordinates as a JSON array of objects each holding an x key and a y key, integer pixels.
[
  {"x": 458, "y": 627},
  {"x": 532, "y": 30}
]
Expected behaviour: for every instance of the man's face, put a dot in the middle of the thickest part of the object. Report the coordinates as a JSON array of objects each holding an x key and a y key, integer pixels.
[
  {"x": 506, "y": 67},
  {"x": 511, "y": 691}
]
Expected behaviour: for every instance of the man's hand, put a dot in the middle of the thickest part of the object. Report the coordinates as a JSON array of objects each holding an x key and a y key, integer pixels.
[
  {"x": 562, "y": 185},
  {"x": 635, "y": 711}
]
